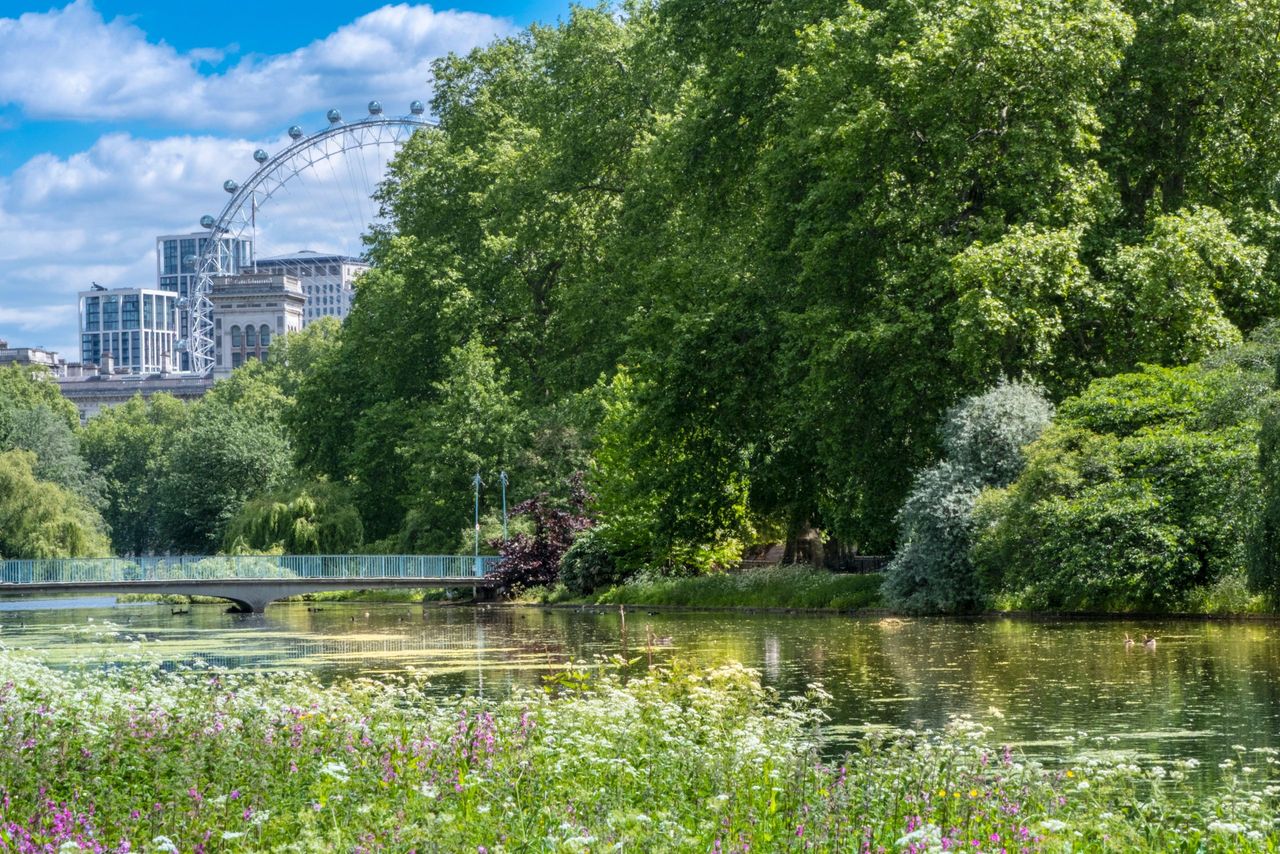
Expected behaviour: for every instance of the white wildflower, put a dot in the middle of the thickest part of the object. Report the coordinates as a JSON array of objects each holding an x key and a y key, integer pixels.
[
  {"x": 337, "y": 771},
  {"x": 1230, "y": 828}
]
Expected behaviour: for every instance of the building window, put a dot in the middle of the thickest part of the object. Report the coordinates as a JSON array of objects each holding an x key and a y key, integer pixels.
[
  {"x": 188, "y": 249},
  {"x": 92, "y": 313},
  {"x": 236, "y": 343},
  {"x": 264, "y": 336},
  {"x": 111, "y": 314},
  {"x": 250, "y": 337},
  {"x": 237, "y": 359},
  {"x": 129, "y": 313},
  {"x": 170, "y": 255}
]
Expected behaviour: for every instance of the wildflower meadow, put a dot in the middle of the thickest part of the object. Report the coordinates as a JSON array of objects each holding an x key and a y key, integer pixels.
[{"x": 141, "y": 757}]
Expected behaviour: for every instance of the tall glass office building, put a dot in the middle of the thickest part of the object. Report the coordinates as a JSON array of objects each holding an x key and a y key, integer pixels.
[
  {"x": 137, "y": 326},
  {"x": 176, "y": 259}
]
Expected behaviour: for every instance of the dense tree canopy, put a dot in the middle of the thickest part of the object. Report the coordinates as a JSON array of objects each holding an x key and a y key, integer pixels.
[
  {"x": 738, "y": 261},
  {"x": 804, "y": 231}
]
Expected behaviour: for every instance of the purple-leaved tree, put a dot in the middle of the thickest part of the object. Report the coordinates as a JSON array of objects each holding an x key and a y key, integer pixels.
[{"x": 533, "y": 560}]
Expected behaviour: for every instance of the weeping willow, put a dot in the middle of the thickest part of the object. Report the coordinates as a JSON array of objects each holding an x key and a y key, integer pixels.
[{"x": 314, "y": 518}]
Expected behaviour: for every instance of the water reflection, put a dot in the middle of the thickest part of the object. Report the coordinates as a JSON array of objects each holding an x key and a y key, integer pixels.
[{"x": 1206, "y": 687}]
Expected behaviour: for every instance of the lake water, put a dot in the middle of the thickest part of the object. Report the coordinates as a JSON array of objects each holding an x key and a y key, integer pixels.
[{"x": 1205, "y": 687}]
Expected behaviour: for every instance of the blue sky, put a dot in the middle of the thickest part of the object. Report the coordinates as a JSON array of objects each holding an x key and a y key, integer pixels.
[{"x": 119, "y": 120}]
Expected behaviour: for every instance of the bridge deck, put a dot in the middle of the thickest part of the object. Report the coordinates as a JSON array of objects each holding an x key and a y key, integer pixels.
[{"x": 250, "y": 581}]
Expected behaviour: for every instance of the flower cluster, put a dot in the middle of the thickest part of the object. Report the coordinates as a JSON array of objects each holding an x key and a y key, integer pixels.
[{"x": 140, "y": 759}]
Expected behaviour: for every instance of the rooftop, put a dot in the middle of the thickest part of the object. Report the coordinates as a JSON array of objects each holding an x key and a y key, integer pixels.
[{"x": 310, "y": 256}]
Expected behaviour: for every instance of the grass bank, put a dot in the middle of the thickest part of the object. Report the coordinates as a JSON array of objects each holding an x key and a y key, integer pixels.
[
  {"x": 139, "y": 759},
  {"x": 768, "y": 587}
]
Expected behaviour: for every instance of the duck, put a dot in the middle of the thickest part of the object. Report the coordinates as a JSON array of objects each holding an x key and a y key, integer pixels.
[
  {"x": 1149, "y": 641},
  {"x": 1128, "y": 641}
]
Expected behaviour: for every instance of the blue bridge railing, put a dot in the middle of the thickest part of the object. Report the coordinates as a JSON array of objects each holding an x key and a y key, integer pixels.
[{"x": 218, "y": 568}]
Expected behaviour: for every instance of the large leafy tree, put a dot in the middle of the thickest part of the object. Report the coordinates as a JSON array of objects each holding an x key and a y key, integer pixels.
[
  {"x": 39, "y": 519},
  {"x": 805, "y": 230},
  {"x": 128, "y": 446},
  {"x": 233, "y": 448}
]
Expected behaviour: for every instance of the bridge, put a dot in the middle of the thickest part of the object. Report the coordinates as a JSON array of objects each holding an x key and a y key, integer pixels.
[{"x": 251, "y": 582}]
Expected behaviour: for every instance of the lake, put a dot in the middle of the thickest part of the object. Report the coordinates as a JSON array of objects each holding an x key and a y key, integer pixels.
[{"x": 1053, "y": 689}]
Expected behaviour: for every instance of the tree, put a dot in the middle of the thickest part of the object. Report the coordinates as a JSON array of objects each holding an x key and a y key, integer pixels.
[
  {"x": 1191, "y": 286},
  {"x": 234, "y": 448},
  {"x": 471, "y": 428},
  {"x": 44, "y": 432},
  {"x": 533, "y": 559},
  {"x": 128, "y": 446},
  {"x": 312, "y": 518},
  {"x": 39, "y": 519},
  {"x": 27, "y": 387},
  {"x": 984, "y": 439}
]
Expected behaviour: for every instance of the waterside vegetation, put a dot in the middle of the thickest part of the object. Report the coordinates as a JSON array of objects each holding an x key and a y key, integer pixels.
[{"x": 140, "y": 759}]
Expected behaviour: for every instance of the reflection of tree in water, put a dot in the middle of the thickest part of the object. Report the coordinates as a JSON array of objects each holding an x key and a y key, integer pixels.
[{"x": 1205, "y": 687}]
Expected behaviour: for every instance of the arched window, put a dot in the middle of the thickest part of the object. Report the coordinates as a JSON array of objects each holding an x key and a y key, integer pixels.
[
  {"x": 264, "y": 336},
  {"x": 250, "y": 337},
  {"x": 235, "y": 338}
]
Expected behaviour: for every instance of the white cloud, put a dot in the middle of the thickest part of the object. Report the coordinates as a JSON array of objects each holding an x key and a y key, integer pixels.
[
  {"x": 71, "y": 63},
  {"x": 94, "y": 216},
  {"x": 66, "y": 221}
]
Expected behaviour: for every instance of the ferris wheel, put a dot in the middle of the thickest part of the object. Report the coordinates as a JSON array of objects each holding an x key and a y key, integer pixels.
[{"x": 337, "y": 154}]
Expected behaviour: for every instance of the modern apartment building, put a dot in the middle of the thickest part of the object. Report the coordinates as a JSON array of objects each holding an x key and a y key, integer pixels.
[
  {"x": 137, "y": 327},
  {"x": 328, "y": 281}
]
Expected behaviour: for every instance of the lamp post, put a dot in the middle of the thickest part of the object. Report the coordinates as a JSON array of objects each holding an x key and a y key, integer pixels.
[
  {"x": 502, "y": 476},
  {"x": 477, "y": 483}
]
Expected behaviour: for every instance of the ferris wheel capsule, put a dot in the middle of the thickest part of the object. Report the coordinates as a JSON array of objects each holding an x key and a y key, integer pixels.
[
  {"x": 189, "y": 260},
  {"x": 295, "y": 132},
  {"x": 375, "y": 108},
  {"x": 334, "y": 116},
  {"x": 260, "y": 156},
  {"x": 230, "y": 186},
  {"x": 207, "y": 221},
  {"x": 417, "y": 108}
]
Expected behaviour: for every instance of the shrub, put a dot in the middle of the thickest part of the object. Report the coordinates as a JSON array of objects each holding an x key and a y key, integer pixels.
[
  {"x": 1143, "y": 491},
  {"x": 588, "y": 565},
  {"x": 533, "y": 559},
  {"x": 983, "y": 439}
]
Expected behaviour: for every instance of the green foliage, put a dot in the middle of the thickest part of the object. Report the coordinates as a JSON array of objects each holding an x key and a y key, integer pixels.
[
  {"x": 1142, "y": 492},
  {"x": 26, "y": 387},
  {"x": 800, "y": 232},
  {"x": 39, "y": 519},
  {"x": 1190, "y": 287},
  {"x": 472, "y": 427},
  {"x": 313, "y": 518},
  {"x": 1023, "y": 300},
  {"x": 234, "y": 448},
  {"x": 1264, "y": 539},
  {"x": 773, "y": 587},
  {"x": 662, "y": 512},
  {"x": 128, "y": 446},
  {"x": 588, "y": 564},
  {"x": 983, "y": 438}
]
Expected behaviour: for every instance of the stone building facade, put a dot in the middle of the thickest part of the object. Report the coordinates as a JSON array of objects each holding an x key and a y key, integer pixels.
[{"x": 249, "y": 311}]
